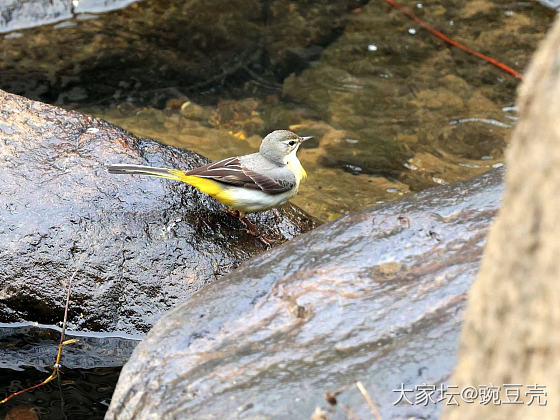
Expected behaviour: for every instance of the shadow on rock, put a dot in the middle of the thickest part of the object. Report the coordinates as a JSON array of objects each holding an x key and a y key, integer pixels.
[{"x": 376, "y": 297}]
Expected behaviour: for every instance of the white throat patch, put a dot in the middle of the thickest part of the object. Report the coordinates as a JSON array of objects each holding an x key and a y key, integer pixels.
[{"x": 290, "y": 157}]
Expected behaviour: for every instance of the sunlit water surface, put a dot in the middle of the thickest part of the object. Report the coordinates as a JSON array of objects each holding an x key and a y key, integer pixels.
[{"x": 392, "y": 108}]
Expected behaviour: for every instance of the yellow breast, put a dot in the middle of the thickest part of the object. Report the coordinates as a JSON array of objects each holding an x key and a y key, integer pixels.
[{"x": 295, "y": 166}]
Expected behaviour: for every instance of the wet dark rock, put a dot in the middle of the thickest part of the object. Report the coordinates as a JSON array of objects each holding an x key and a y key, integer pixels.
[
  {"x": 376, "y": 296},
  {"x": 134, "y": 246}
]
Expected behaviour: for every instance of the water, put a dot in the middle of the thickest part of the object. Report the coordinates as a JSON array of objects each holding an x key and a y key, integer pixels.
[
  {"x": 75, "y": 394},
  {"x": 86, "y": 382},
  {"x": 392, "y": 109}
]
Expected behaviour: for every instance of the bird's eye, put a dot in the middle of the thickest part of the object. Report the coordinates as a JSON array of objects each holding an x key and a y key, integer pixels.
[{"x": 292, "y": 142}]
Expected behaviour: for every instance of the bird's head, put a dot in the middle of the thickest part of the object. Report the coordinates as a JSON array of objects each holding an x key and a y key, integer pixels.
[{"x": 279, "y": 145}]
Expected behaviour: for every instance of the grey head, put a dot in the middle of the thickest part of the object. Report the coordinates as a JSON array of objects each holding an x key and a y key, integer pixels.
[{"x": 280, "y": 144}]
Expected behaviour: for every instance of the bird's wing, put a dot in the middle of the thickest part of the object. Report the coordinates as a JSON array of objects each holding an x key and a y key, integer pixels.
[{"x": 231, "y": 171}]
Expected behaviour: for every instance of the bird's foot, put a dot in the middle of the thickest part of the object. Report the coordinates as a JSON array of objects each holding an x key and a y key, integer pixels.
[
  {"x": 250, "y": 227},
  {"x": 252, "y": 230},
  {"x": 233, "y": 213}
]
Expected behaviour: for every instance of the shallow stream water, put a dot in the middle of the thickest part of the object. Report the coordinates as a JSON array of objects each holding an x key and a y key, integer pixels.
[{"x": 392, "y": 108}]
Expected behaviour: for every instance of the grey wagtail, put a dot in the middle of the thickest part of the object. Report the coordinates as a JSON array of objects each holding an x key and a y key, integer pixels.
[{"x": 245, "y": 184}]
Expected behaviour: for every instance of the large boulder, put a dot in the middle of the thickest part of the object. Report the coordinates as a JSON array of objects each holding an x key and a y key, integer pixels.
[
  {"x": 134, "y": 246},
  {"x": 375, "y": 296},
  {"x": 511, "y": 335}
]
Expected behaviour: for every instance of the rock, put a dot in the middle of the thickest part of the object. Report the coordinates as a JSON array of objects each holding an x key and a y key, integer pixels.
[
  {"x": 134, "y": 246},
  {"x": 22, "y": 413},
  {"x": 20, "y": 14},
  {"x": 375, "y": 296},
  {"x": 512, "y": 325}
]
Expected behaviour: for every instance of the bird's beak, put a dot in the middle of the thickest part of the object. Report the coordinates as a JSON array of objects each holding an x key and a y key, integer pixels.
[{"x": 302, "y": 139}]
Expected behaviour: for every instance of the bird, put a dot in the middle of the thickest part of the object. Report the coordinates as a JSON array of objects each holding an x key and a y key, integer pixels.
[{"x": 244, "y": 184}]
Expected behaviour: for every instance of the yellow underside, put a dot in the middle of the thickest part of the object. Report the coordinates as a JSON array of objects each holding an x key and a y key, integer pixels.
[
  {"x": 215, "y": 189},
  {"x": 297, "y": 169},
  {"x": 207, "y": 186}
]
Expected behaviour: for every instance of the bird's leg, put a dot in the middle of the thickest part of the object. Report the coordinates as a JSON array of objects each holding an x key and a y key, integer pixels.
[
  {"x": 233, "y": 213},
  {"x": 250, "y": 227}
]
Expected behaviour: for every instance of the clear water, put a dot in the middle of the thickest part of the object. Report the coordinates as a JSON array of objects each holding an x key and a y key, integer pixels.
[
  {"x": 75, "y": 394},
  {"x": 393, "y": 109},
  {"x": 89, "y": 373}
]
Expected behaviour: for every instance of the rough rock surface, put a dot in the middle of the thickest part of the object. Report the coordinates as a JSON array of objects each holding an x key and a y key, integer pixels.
[
  {"x": 134, "y": 246},
  {"x": 375, "y": 296},
  {"x": 512, "y": 327}
]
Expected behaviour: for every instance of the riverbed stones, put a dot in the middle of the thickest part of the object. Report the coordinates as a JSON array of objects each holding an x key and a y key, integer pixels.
[{"x": 158, "y": 46}]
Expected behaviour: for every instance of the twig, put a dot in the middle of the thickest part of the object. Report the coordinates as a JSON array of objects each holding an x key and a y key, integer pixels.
[
  {"x": 62, "y": 343},
  {"x": 372, "y": 406},
  {"x": 450, "y": 41}
]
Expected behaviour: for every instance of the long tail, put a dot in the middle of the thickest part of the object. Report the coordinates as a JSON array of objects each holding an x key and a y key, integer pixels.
[
  {"x": 207, "y": 186},
  {"x": 174, "y": 174}
]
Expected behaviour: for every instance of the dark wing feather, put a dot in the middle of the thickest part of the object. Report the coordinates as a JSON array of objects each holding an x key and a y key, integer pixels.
[{"x": 230, "y": 171}]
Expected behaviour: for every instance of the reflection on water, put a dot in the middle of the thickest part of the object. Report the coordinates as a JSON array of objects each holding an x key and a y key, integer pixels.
[{"x": 91, "y": 367}]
